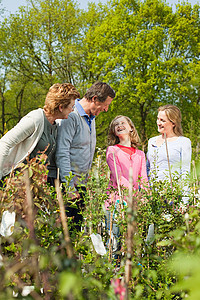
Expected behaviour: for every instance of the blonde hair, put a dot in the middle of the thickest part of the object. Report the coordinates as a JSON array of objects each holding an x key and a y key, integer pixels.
[
  {"x": 113, "y": 139},
  {"x": 60, "y": 94},
  {"x": 173, "y": 113}
]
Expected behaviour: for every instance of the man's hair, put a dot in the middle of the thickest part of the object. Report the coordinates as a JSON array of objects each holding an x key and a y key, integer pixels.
[
  {"x": 113, "y": 139},
  {"x": 173, "y": 113},
  {"x": 101, "y": 90},
  {"x": 60, "y": 93}
]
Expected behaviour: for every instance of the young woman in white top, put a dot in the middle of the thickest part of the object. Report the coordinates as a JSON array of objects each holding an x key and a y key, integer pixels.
[{"x": 179, "y": 147}]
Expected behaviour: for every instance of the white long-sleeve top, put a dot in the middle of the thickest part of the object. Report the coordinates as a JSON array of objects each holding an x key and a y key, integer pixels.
[{"x": 179, "y": 158}]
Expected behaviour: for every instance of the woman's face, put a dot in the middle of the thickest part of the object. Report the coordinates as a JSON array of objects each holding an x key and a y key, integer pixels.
[
  {"x": 121, "y": 127},
  {"x": 65, "y": 111},
  {"x": 164, "y": 124}
]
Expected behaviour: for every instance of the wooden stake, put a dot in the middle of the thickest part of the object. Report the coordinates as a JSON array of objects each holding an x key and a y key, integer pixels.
[
  {"x": 118, "y": 185},
  {"x": 63, "y": 219},
  {"x": 29, "y": 204},
  {"x": 110, "y": 234},
  {"x": 170, "y": 176},
  {"x": 130, "y": 231},
  {"x": 30, "y": 225}
]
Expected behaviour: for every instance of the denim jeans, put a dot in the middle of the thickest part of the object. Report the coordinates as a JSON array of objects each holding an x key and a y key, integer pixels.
[{"x": 115, "y": 235}]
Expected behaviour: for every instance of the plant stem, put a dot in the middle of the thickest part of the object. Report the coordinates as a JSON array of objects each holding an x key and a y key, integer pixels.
[{"x": 63, "y": 219}]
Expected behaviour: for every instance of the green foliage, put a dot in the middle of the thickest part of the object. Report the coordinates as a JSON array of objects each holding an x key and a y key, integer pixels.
[
  {"x": 39, "y": 47},
  {"x": 163, "y": 267},
  {"x": 150, "y": 56},
  {"x": 145, "y": 51}
]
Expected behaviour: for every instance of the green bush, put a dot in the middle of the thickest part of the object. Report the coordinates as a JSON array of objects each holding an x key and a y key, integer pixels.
[{"x": 164, "y": 266}]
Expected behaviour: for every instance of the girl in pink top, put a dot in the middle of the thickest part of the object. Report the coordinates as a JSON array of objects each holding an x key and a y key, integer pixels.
[{"x": 123, "y": 141}]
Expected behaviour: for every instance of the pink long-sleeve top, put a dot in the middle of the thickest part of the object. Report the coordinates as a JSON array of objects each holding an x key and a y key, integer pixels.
[{"x": 123, "y": 163}]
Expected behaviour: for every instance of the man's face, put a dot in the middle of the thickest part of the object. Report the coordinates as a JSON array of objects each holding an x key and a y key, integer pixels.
[{"x": 97, "y": 107}]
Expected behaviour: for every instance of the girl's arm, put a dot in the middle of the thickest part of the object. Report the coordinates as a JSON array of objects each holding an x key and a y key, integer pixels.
[
  {"x": 143, "y": 172},
  {"x": 148, "y": 161}
]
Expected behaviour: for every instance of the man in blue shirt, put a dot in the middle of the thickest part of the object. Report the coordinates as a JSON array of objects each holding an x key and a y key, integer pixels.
[{"x": 77, "y": 140}]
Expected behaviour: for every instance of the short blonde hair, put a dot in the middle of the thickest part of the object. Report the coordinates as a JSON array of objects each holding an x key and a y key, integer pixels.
[
  {"x": 60, "y": 94},
  {"x": 173, "y": 113},
  {"x": 113, "y": 139}
]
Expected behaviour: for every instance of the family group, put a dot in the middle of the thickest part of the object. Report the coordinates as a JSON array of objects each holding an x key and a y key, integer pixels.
[{"x": 65, "y": 130}]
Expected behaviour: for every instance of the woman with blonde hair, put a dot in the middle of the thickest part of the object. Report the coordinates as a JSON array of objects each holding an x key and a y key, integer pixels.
[
  {"x": 37, "y": 131},
  {"x": 179, "y": 147},
  {"x": 169, "y": 154}
]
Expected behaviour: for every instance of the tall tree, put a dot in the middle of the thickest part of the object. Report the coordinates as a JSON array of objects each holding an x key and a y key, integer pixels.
[
  {"x": 140, "y": 49},
  {"x": 40, "y": 46}
]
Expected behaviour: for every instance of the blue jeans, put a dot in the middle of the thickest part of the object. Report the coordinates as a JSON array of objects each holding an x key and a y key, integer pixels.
[{"x": 115, "y": 235}]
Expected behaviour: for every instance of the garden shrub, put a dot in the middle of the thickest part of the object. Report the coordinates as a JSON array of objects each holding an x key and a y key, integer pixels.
[{"x": 164, "y": 266}]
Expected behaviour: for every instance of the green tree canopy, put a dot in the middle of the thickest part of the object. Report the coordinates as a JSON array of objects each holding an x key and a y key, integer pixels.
[{"x": 145, "y": 51}]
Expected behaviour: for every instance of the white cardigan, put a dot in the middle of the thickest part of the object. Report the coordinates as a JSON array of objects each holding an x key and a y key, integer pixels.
[{"x": 20, "y": 141}]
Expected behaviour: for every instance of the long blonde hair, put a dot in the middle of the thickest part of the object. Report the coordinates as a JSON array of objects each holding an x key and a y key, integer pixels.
[
  {"x": 113, "y": 139},
  {"x": 173, "y": 113}
]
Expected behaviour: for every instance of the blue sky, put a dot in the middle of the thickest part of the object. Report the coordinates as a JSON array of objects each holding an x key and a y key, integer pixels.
[{"x": 12, "y": 5}]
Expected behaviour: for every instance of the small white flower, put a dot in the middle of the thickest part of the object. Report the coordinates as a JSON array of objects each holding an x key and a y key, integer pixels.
[
  {"x": 182, "y": 207},
  {"x": 167, "y": 217},
  {"x": 186, "y": 216},
  {"x": 198, "y": 204},
  {"x": 7, "y": 223},
  {"x": 27, "y": 290}
]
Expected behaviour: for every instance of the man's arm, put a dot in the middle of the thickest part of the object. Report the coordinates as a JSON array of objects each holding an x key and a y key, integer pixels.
[{"x": 66, "y": 133}]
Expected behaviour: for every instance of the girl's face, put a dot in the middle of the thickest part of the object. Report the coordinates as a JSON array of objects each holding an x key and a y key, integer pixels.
[
  {"x": 122, "y": 127},
  {"x": 164, "y": 124}
]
